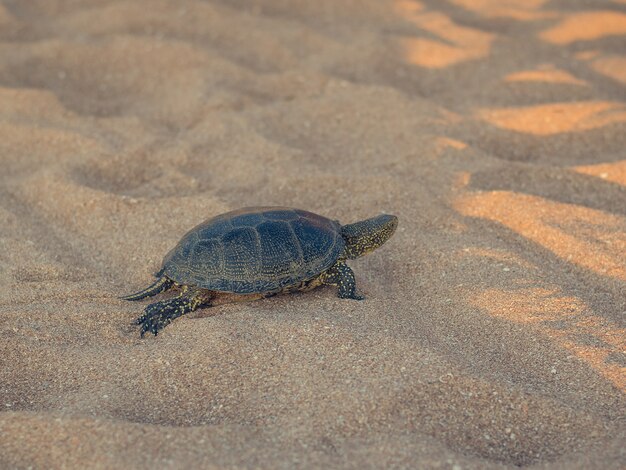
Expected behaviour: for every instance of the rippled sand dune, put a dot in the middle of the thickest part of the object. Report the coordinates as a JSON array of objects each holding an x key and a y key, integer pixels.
[{"x": 493, "y": 333}]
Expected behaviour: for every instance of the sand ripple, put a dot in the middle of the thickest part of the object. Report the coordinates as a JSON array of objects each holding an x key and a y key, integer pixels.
[{"x": 493, "y": 334}]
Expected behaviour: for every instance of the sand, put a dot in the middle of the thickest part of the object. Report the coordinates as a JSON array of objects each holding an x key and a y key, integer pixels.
[{"x": 493, "y": 335}]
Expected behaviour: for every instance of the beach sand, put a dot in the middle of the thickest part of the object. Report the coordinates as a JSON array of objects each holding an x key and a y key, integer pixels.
[{"x": 493, "y": 335}]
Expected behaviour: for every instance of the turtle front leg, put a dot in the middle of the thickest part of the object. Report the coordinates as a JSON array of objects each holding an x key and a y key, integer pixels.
[
  {"x": 341, "y": 276},
  {"x": 160, "y": 314}
]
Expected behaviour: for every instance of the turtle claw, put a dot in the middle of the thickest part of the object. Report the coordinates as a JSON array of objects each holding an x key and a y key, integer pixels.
[
  {"x": 352, "y": 296},
  {"x": 152, "y": 323}
]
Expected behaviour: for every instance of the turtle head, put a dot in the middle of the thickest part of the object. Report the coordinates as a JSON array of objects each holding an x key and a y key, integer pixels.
[{"x": 367, "y": 235}]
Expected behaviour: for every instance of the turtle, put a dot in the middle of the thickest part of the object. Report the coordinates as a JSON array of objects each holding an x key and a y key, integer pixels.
[{"x": 258, "y": 252}]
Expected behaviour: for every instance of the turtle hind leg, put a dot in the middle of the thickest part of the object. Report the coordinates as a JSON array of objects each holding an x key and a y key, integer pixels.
[
  {"x": 159, "y": 286},
  {"x": 341, "y": 276},
  {"x": 160, "y": 314}
]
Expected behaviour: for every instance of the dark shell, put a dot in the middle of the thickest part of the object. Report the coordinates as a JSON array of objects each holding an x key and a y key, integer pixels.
[{"x": 255, "y": 250}]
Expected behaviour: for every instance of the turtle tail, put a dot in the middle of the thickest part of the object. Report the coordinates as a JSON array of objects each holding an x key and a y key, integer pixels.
[{"x": 161, "y": 284}]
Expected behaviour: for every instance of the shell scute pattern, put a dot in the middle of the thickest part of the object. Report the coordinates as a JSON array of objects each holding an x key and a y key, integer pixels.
[
  {"x": 255, "y": 250},
  {"x": 246, "y": 220},
  {"x": 218, "y": 228},
  {"x": 311, "y": 244},
  {"x": 281, "y": 214},
  {"x": 205, "y": 256},
  {"x": 279, "y": 248},
  {"x": 240, "y": 252}
]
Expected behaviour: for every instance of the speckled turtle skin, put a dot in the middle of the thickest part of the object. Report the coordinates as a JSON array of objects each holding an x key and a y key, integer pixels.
[{"x": 258, "y": 252}]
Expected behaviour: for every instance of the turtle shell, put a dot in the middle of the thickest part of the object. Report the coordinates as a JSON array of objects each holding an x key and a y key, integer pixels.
[{"x": 255, "y": 250}]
